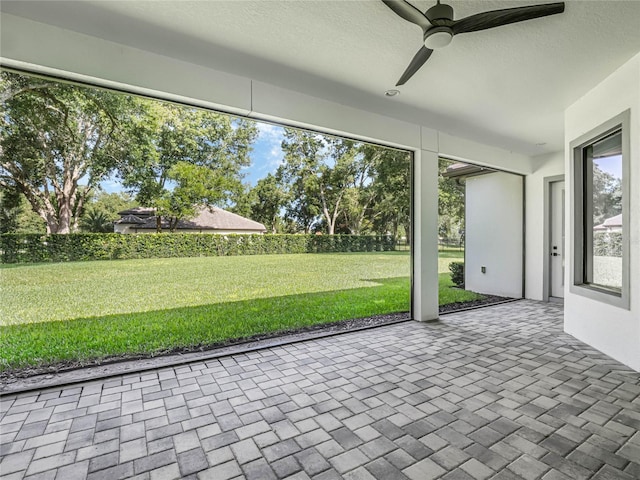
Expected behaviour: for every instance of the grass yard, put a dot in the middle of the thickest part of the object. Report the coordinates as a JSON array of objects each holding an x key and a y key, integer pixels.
[
  {"x": 446, "y": 256},
  {"x": 84, "y": 311},
  {"x": 447, "y": 293}
]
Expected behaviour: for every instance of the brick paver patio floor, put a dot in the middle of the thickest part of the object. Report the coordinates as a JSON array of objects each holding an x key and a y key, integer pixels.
[{"x": 496, "y": 393}]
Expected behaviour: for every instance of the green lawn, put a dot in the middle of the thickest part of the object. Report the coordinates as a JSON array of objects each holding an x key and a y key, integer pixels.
[
  {"x": 447, "y": 293},
  {"x": 448, "y": 255},
  {"x": 88, "y": 310}
]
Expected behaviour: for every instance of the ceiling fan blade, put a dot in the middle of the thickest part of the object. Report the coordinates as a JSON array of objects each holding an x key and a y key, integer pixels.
[
  {"x": 497, "y": 18},
  {"x": 408, "y": 12},
  {"x": 418, "y": 60}
]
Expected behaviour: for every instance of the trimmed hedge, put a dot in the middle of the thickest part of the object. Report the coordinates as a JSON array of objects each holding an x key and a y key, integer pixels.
[
  {"x": 457, "y": 273},
  {"x": 607, "y": 244},
  {"x": 35, "y": 248}
]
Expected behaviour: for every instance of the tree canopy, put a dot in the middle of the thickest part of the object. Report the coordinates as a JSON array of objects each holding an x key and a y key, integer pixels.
[
  {"x": 336, "y": 184},
  {"x": 16, "y": 215},
  {"x": 392, "y": 202},
  {"x": 60, "y": 142},
  {"x": 187, "y": 157},
  {"x": 607, "y": 195},
  {"x": 267, "y": 200},
  {"x": 450, "y": 205}
]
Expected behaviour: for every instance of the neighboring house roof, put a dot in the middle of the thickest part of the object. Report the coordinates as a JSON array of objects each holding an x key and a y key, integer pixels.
[
  {"x": 207, "y": 218},
  {"x": 610, "y": 223},
  {"x": 140, "y": 212},
  {"x": 613, "y": 221},
  {"x": 130, "y": 220}
]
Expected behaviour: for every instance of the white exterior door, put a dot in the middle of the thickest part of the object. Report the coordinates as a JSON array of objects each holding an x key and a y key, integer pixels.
[{"x": 556, "y": 247}]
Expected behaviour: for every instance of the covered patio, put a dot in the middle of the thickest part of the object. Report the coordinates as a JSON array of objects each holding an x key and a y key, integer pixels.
[
  {"x": 525, "y": 390},
  {"x": 499, "y": 392}
]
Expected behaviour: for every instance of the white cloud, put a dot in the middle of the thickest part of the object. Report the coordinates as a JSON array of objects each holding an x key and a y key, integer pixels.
[
  {"x": 270, "y": 137},
  {"x": 276, "y": 157},
  {"x": 270, "y": 133}
]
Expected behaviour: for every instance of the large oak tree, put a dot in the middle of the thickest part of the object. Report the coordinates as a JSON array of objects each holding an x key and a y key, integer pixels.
[{"x": 59, "y": 141}]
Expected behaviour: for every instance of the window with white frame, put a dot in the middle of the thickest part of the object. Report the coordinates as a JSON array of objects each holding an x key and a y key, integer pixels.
[{"x": 601, "y": 213}]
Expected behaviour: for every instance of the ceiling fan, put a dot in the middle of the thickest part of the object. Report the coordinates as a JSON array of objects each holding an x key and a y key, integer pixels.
[{"x": 439, "y": 27}]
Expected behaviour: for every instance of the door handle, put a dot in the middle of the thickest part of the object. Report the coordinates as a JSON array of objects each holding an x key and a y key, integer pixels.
[{"x": 554, "y": 254}]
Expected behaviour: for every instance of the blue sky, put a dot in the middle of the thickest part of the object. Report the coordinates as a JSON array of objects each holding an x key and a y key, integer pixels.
[
  {"x": 267, "y": 154},
  {"x": 265, "y": 158},
  {"x": 611, "y": 165}
]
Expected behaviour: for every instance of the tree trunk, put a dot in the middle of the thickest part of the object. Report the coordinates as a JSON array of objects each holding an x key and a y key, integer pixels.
[
  {"x": 64, "y": 219},
  {"x": 325, "y": 212},
  {"x": 331, "y": 227},
  {"x": 331, "y": 218}
]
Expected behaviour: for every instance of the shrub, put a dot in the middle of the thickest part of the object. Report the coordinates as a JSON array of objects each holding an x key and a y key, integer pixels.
[
  {"x": 457, "y": 273},
  {"x": 33, "y": 248},
  {"x": 607, "y": 244}
]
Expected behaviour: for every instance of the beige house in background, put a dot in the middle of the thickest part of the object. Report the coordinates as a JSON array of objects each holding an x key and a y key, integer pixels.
[
  {"x": 208, "y": 220},
  {"x": 613, "y": 224}
]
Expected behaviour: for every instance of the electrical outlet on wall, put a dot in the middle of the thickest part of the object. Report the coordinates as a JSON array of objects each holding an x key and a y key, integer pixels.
[{"x": 483, "y": 269}]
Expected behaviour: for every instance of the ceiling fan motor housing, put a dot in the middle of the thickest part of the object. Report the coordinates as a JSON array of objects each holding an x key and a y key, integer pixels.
[
  {"x": 439, "y": 12},
  {"x": 440, "y": 34}
]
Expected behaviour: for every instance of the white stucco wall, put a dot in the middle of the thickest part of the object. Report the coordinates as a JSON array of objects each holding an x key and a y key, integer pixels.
[
  {"x": 551, "y": 165},
  {"x": 613, "y": 330},
  {"x": 493, "y": 234}
]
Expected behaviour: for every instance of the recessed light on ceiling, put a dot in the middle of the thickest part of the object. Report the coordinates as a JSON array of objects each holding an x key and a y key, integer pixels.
[{"x": 392, "y": 93}]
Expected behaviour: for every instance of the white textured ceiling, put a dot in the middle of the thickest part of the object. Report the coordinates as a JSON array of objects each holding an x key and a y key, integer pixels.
[{"x": 507, "y": 86}]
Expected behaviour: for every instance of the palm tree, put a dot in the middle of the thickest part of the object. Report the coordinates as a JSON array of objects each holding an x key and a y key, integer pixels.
[{"x": 95, "y": 221}]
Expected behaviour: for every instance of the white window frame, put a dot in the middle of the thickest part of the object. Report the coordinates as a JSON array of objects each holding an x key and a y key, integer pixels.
[{"x": 580, "y": 209}]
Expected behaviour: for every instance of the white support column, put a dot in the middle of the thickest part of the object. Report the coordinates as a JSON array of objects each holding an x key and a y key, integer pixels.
[{"x": 425, "y": 236}]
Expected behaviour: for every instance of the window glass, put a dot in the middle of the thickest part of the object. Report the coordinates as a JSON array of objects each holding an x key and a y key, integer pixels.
[
  {"x": 603, "y": 212},
  {"x": 181, "y": 227}
]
